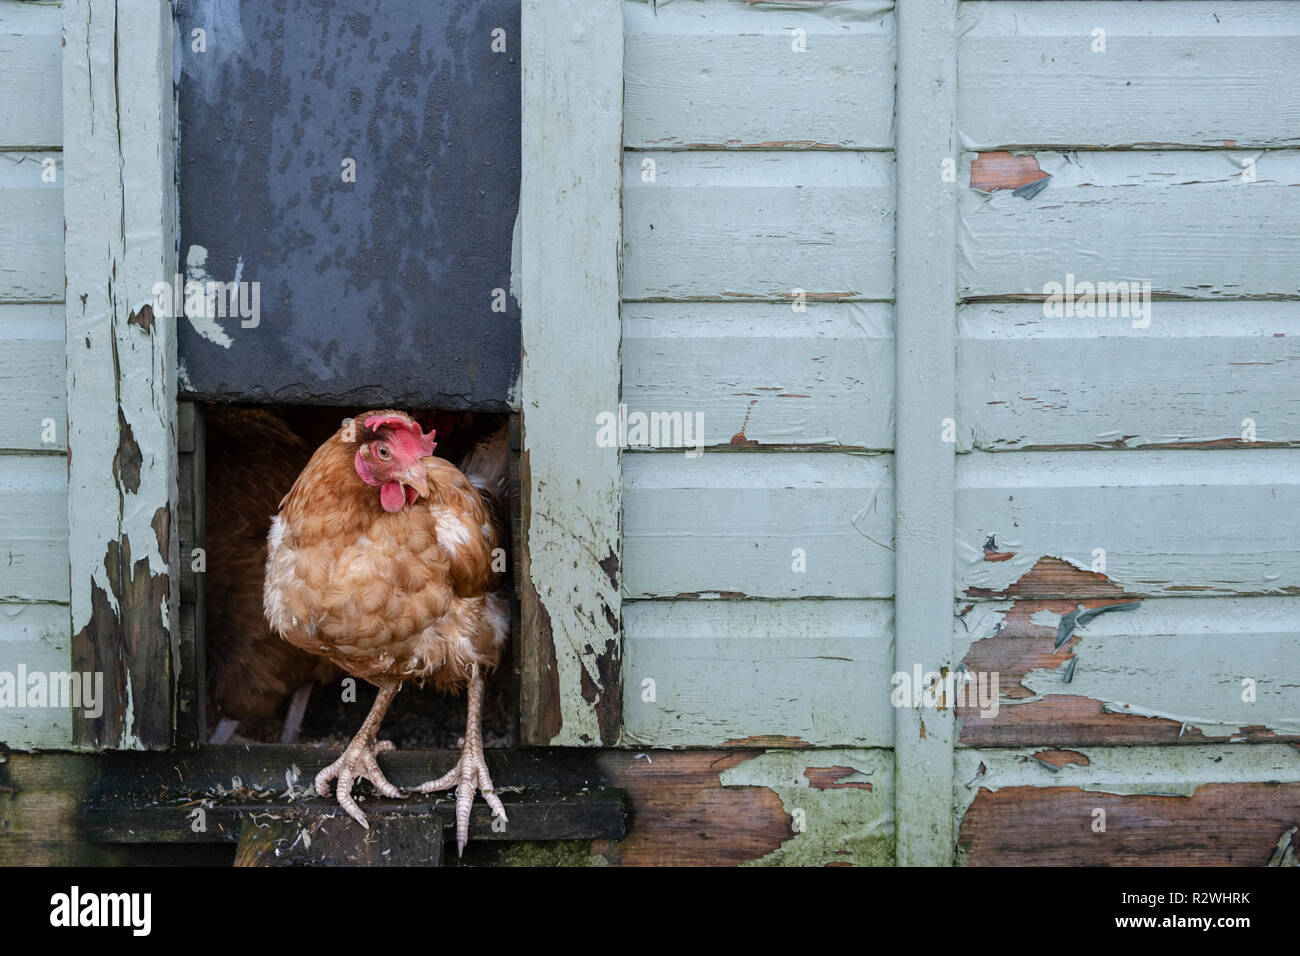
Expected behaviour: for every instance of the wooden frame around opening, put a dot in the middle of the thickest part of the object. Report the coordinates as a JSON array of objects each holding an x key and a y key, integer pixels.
[
  {"x": 120, "y": 242},
  {"x": 571, "y": 223}
]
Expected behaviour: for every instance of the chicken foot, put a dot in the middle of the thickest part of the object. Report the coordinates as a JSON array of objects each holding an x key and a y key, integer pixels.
[
  {"x": 470, "y": 772},
  {"x": 360, "y": 759}
]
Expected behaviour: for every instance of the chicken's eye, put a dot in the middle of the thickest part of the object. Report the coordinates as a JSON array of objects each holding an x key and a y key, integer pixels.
[{"x": 382, "y": 451}]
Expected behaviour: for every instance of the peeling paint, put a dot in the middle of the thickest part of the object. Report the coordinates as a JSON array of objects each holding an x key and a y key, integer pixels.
[
  {"x": 839, "y": 824},
  {"x": 1002, "y": 170},
  {"x": 1285, "y": 854},
  {"x": 569, "y": 211},
  {"x": 121, "y": 390},
  {"x": 1054, "y": 760},
  {"x": 1163, "y": 771},
  {"x": 1209, "y": 804},
  {"x": 1123, "y": 678},
  {"x": 836, "y": 778}
]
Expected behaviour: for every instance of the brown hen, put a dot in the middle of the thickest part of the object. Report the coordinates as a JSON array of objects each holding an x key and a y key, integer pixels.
[
  {"x": 253, "y": 458},
  {"x": 385, "y": 561}
]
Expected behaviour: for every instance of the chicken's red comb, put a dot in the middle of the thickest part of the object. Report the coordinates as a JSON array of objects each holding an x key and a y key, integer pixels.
[{"x": 405, "y": 424}]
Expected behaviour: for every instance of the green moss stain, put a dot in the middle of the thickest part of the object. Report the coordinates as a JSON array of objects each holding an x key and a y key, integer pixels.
[{"x": 558, "y": 853}]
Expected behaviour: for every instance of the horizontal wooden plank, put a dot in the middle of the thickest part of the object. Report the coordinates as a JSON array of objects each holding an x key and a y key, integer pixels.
[
  {"x": 1169, "y": 74},
  {"x": 719, "y": 673},
  {"x": 35, "y": 637},
  {"x": 31, "y": 84},
  {"x": 41, "y": 807},
  {"x": 1170, "y": 671},
  {"x": 1200, "y": 372},
  {"x": 773, "y": 808},
  {"x": 1163, "y": 522},
  {"x": 32, "y": 372},
  {"x": 34, "y": 527},
  {"x": 297, "y": 840},
  {"x": 1185, "y": 221},
  {"x": 689, "y": 807},
  {"x": 765, "y": 223},
  {"x": 1123, "y": 806},
  {"x": 758, "y": 525},
  {"x": 31, "y": 229},
  {"x": 141, "y": 817},
  {"x": 761, "y": 373},
  {"x": 720, "y": 75}
]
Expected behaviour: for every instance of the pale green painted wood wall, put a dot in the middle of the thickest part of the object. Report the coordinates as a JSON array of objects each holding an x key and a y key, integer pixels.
[
  {"x": 753, "y": 170},
  {"x": 34, "y": 623}
]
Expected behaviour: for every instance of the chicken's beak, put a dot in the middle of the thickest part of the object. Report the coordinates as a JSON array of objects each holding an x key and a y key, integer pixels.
[{"x": 416, "y": 478}]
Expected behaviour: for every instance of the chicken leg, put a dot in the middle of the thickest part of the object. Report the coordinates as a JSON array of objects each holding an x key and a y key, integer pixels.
[
  {"x": 360, "y": 759},
  {"x": 470, "y": 772}
]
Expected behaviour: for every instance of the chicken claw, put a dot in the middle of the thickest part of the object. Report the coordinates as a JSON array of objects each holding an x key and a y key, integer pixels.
[
  {"x": 360, "y": 759},
  {"x": 470, "y": 772}
]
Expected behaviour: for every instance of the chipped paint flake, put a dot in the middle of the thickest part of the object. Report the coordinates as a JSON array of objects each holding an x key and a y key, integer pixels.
[
  {"x": 204, "y": 321},
  {"x": 1002, "y": 170}
]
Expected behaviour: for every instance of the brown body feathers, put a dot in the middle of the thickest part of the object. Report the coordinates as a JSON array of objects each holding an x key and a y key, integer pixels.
[{"x": 391, "y": 596}]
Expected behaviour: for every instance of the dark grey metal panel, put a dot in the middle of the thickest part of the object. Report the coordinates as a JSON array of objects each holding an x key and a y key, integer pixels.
[{"x": 375, "y": 292}]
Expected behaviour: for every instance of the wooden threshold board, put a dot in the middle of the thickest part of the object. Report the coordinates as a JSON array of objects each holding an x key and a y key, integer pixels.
[{"x": 155, "y": 798}]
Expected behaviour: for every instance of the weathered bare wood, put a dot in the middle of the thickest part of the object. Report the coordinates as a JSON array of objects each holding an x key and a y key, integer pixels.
[
  {"x": 702, "y": 807},
  {"x": 713, "y": 808},
  {"x": 191, "y": 678},
  {"x": 144, "y": 817},
  {"x": 1123, "y": 678},
  {"x": 303, "y": 840},
  {"x": 41, "y": 809},
  {"x": 1153, "y": 806}
]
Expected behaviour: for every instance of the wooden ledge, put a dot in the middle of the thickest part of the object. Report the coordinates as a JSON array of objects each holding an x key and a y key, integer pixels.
[{"x": 260, "y": 798}]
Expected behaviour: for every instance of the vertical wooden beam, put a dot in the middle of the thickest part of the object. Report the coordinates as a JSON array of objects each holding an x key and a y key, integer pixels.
[
  {"x": 120, "y": 241},
  {"x": 924, "y": 461},
  {"x": 191, "y": 527},
  {"x": 571, "y": 215}
]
